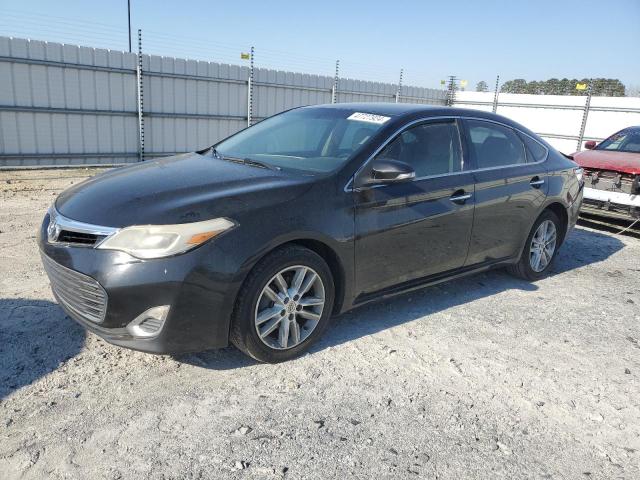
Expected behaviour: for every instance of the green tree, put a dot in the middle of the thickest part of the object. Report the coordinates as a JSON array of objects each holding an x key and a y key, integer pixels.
[
  {"x": 609, "y": 87},
  {"x": 481, "y": 86},
  {"x": 519, "y": 85},
  {"x": 553, "y": 85},
  {"x": 567, "y": 87},
  {"x": 535, "y": 88}
]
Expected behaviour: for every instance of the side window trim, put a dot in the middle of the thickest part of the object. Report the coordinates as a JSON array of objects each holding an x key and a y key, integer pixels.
[{"x": 469, "y": 157}]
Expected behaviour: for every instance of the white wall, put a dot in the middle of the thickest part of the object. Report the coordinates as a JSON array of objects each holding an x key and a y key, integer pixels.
[{"x": 554, "y": 120}]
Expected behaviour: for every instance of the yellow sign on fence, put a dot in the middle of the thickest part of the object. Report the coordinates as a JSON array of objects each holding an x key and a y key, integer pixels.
[
  {"x": 245, "y": 56},
  {"x": 581, "y": 86}
]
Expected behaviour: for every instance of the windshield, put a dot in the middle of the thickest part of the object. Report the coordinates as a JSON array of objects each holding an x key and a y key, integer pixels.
[
  {"x": 310, "y": 139},
  {"x": 624, "y": 141}
]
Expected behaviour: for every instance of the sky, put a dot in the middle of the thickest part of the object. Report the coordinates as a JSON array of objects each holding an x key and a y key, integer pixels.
[{"x": 429, "y": 40}]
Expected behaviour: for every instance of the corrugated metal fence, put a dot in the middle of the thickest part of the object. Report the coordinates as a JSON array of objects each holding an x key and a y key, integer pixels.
[{"x": 70, "y": 105}]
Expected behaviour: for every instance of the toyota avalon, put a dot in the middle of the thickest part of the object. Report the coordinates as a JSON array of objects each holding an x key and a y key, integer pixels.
[{"x": 261, "y": 238}]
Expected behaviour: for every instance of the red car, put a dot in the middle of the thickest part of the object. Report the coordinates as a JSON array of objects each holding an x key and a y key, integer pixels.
[{"x": 612, "y": 175}]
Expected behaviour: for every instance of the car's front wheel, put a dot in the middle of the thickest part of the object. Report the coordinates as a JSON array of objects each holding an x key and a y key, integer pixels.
[
  {"x": 541, "y": 248},
  {"x": 284, "y": 305}
]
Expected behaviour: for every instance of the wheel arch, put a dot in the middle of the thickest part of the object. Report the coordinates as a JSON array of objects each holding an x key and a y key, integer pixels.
[
  {"x": 330, "y": 256},
  {"x": 324, "y": 250},
  {"x": 560, "y": 211}
]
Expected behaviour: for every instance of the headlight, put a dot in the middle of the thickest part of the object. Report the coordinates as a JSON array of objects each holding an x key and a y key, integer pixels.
[{"x": 156, "y": 241}]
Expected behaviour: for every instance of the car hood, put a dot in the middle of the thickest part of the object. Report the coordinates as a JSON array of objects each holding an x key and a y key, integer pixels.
[
  {"x": 179, "y": 189},
  {"x": 624, "y": 162}
]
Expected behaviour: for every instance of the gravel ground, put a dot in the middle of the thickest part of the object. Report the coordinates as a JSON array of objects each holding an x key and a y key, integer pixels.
[{"x": 487, "y": 377}]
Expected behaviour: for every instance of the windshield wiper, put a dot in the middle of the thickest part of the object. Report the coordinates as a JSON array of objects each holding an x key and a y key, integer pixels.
[{"x": 247, "y": 161}]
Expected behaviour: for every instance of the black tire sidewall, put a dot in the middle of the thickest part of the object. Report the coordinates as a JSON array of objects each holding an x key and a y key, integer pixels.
[{"x": 244, "y": 334}]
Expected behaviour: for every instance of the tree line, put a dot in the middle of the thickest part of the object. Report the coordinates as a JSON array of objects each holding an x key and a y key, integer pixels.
[{"x": 608, "y": 87}]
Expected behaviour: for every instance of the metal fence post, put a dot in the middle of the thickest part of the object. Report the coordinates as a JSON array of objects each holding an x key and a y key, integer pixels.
[
  {"x": 495, "y": 95},
  {"x": 451, "y": 91},
  {"x": 334, "y": 89},
  {"x": 399, "y": 91},
  {"x": 140, "y": 100},
  {"x": 250, "y": 92},
  {"x": 129, "y": 21},
  {"x": 585, "y": 114}
]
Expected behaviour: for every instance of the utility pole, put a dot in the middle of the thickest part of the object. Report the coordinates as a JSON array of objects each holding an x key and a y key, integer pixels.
[
  {"x": 585, "y": 115},
  {"x": 495, "y": 95},
  {"x": 399, "y": 91},
  {"x": 250, "y": 91},
  {"x": 451, "y": 90},
  {"x": 140, "y": 100},
  {"x": 336, "y": 78},
  {"x": 129, "y": 18}
]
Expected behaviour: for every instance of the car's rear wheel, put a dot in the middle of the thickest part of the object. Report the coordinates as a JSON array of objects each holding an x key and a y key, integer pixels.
[
  {"x": 284, "y": 305},
  {"x": 541, "y": 248}
]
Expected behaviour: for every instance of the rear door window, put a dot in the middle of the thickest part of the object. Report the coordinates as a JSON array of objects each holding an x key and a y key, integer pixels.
[
  {"x": 536, "y": 152},
  {"x": 495, "y": 145}
]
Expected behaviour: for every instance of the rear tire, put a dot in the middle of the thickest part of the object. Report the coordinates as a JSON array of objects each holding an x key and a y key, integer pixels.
[
  {"x": 284, "y": 305},
  {"x": 537, "y": 254}
]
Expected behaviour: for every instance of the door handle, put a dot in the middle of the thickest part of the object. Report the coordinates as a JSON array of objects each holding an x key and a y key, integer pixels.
[
  {"x": 536, "y": 182},
  {"x": 460, "y": 197}
]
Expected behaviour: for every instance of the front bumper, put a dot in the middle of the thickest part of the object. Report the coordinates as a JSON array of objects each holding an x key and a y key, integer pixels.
[
  {"x": 200, "y": 287},
  {"x": 611, "y": 204}
]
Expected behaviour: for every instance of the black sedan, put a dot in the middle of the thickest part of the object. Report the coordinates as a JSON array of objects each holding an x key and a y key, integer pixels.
[{"x": 261, "y": 238}]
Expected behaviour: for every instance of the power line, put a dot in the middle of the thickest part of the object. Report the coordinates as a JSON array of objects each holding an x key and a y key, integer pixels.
[{"x": 83, "y": 32}]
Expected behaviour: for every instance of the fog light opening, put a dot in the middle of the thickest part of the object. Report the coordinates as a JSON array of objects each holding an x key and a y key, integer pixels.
[{"x": 149, "y": 323}]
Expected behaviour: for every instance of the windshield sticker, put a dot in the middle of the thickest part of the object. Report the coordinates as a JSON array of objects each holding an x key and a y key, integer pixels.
[{"x": 368, "y": 117}]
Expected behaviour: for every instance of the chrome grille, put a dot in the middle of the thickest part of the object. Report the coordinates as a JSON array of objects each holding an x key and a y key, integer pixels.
[
  {"x": 61, "y": 229},
  {"x": 68, "y": 236},
  {"x": 79, "y": 295}
]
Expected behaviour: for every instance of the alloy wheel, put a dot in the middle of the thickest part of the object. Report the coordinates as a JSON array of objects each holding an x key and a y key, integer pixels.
[
  {"x": 289, "y": 307},
  {"x": 543, "y": 246}
]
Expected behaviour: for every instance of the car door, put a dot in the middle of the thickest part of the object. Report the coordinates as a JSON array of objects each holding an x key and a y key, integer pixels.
[
  {"x": 414, "y": 229},
  {"x": 510, "y": 189}
]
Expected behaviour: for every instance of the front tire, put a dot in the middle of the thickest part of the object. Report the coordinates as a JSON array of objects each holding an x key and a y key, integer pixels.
[
  {"x": 540, "y": 248},
  {"x": 284, "y": 305}
]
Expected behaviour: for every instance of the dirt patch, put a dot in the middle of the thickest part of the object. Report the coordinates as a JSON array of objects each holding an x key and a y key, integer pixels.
[{"x": 486, "y": 377}]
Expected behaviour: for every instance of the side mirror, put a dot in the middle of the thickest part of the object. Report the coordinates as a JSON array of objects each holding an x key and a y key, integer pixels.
[
  {"x": 390, "y": 171},
  {"x": 590, "y": 145}
]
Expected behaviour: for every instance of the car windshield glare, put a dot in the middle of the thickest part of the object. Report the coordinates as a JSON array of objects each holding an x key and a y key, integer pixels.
[
  {"x": 624, "y": 141},
  {"x": 316, "y": 140}
]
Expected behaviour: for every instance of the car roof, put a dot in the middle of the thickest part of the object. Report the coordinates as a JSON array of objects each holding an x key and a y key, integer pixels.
[
  {"x": 411, "y": 109},
  {"x": 632, "y": 128}
]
